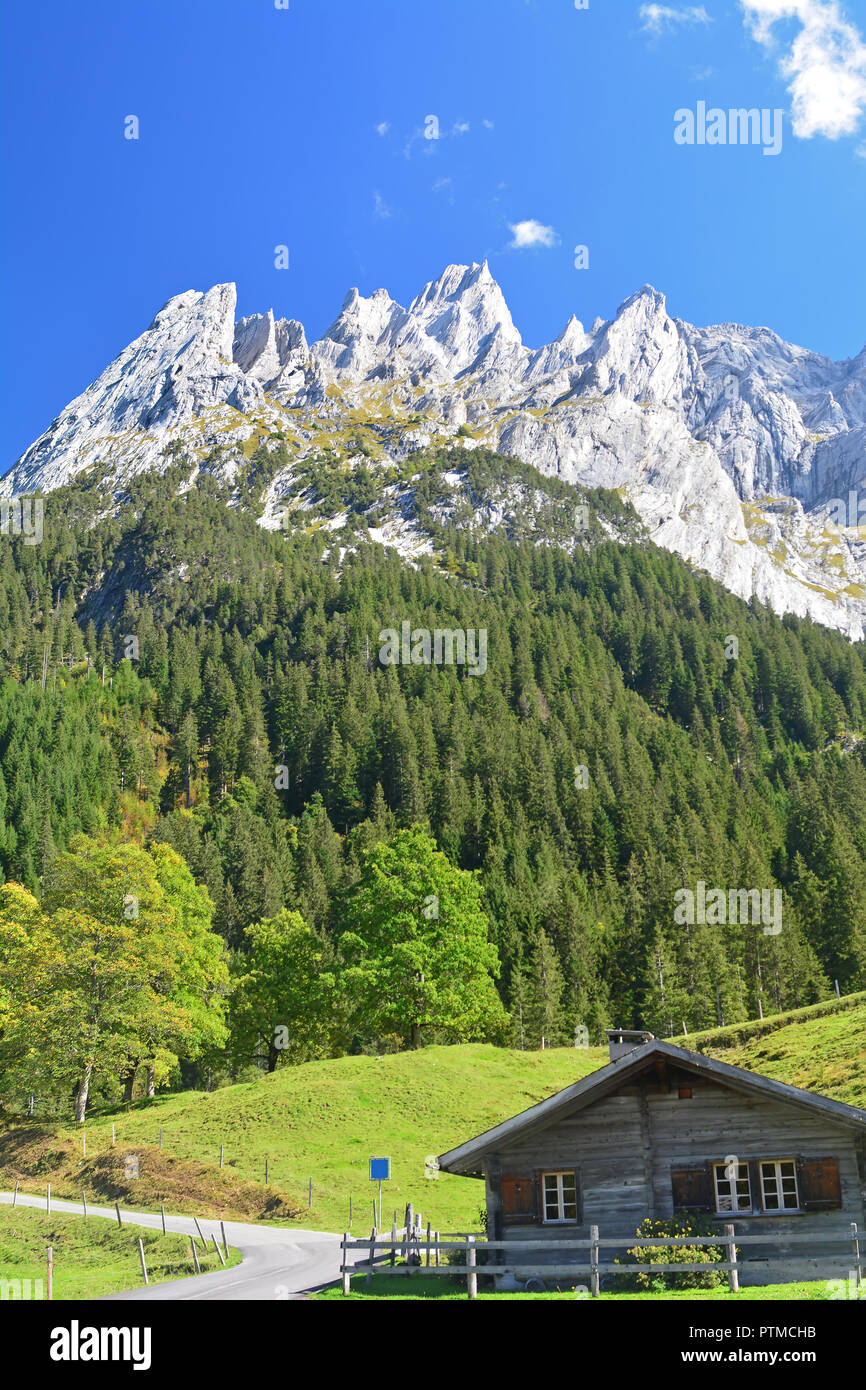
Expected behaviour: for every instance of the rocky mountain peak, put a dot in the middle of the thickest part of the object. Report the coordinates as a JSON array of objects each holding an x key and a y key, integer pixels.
[{"x": 701, "y": 427}]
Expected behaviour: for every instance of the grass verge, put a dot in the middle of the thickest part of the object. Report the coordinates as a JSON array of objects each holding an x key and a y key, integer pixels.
[
  {"x": 92, "y": 1258},
  {"x": 453, "y": 1287}
]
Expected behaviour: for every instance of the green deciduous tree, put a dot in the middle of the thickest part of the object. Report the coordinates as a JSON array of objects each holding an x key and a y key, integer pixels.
[
  {"x": 117, "y": 964},
  {"x": 283, "y": 1005},
  {"x": 416, "y": 947}
]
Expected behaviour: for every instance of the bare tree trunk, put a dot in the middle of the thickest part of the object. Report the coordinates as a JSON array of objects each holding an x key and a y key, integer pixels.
[
  {"x": 82, "y": 1092},
  {"x": 151, "y": 1082}
]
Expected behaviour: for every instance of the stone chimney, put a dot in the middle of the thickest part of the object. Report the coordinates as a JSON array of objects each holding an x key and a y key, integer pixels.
[{"x": 622, "y": 1042}]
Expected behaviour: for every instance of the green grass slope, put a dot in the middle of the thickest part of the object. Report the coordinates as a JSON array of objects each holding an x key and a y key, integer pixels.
[
  {"x": 92, "y": 1258},
  {"x": 825, "y": 1053},
  {"x": 324, "y": 1120}
]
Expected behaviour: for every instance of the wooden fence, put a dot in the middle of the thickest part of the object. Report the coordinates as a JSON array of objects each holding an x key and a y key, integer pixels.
[{"x": 419, "y": 1252}]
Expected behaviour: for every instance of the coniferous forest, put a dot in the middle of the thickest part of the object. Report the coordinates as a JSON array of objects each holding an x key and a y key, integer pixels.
[{"x": 174, "y": 675}]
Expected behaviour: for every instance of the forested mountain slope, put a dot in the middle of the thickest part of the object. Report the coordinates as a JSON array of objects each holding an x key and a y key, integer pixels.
[{"x": 176, "y": 672}]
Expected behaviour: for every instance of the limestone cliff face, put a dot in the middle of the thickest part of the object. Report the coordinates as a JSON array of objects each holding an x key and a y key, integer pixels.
[{"x": 731, "y": 443}]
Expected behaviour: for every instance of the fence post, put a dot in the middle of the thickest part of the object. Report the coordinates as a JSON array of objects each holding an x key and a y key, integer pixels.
[
  {"x": 310, "y": 1197},
  {"x": 266, "y": 1172},
  {"x": 117, "y": 1209},
  {"x": 733, "y": 1273},
  {"x": 344, "y": 1265},
  {"x": 394, "y": 1241},
  {"x": 221, "y": 1155},
  {"x": 162, "y": 1214},
  {"x": 160, "y": 1138},
  {"x": 113, "y": 1139},
  {"x": 219, "y": 1252},
  {"x": 143, "y": 1265},
  {"x": 15, "y": 1193},
  {"x": 50, "y": 1252},
  {"x": 471, "y": 1276},
  {"x": 200, "y": 1231},
  {"x": 84, "y": 1202},
  {"x": 48, "y": 1200},
  {"x": 225, "y": 1242},
  {"x": 372, "y": 1253},
  {"x": 593, "y": 1261},
  {"x": 428, "y": 1244},
  {"x": 195, "y": 1255},
  {"x": 855, "y": 1241},
  {"x": 437, "y": 1249}
]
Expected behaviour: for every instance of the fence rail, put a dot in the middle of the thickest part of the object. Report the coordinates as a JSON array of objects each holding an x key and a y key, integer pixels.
[{"x": 413, "y": 1247}]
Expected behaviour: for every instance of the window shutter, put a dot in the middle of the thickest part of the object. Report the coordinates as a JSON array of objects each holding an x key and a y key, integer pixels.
[
  {"x": 518, "y": 1195},
  {"x": 755, "y": 1184},
  {"x": 818, "y": 1184},
  {"x": 693, "y": 1188}
]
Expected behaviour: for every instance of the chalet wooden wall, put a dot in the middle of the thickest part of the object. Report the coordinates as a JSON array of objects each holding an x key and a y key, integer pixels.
[{"x": 624, "y": 1147}]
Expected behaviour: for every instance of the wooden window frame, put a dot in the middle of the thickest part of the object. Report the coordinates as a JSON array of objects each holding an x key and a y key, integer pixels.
[
  {"x": 779, "y": 1210},
  {"x": 559, "y": 1174},
  {"x": 733, "y": 1210}
]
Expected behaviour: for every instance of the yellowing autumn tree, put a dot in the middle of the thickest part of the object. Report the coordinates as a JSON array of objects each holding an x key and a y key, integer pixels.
[{"x": 118, "y": 962}]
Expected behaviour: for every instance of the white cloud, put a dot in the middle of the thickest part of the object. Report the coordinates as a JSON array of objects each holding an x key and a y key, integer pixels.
[
  {"x": 383, "y": 127},
  {"x": 658, "y": 18},
  {"x": 825, "y": 63},
  {"x": 441, "y": 184},
  {"x": 531, "y": 233},
  {"x": 460, "y": 128},
  {"x": 488, "y": 125},
  {"x": 380, "y": 207}
]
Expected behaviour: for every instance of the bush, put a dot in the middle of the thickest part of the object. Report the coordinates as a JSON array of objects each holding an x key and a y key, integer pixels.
[{"x": 681, "y": 1224}]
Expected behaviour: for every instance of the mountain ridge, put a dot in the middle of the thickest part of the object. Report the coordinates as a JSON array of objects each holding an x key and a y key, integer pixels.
[{"x": 735, "y": 447}]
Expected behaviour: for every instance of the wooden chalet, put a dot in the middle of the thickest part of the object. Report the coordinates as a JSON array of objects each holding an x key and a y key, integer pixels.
[{"x": 661, "y": 1130}]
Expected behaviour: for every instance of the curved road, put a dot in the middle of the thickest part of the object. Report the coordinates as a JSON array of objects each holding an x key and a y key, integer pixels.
[{"x": 278, "y": 1263}]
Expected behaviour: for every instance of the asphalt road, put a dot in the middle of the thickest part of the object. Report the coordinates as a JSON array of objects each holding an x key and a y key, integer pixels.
[{"x": 278, "y": 1263}]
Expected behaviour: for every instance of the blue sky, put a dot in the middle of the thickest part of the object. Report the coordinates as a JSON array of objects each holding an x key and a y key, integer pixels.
[{"x": 304, "y": 127}]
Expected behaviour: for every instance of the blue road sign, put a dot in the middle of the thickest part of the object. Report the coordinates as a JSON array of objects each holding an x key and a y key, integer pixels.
[{"x": 380, "y": 1170}]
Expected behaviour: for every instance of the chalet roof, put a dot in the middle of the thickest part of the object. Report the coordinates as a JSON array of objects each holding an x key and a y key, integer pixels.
[{"x": 466, "y": 1158}]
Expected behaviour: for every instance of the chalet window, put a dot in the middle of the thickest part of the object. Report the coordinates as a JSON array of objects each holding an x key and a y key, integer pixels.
[
  {"x": 779, "y": 1185},
  {"x": 559, "y": 1196},
  {"x": 733, "y": 1189},
  {"x": 685, "y": 1093}
]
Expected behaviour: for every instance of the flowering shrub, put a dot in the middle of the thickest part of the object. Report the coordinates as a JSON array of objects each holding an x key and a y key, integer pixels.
[{"x": 682, "y": 1224}]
